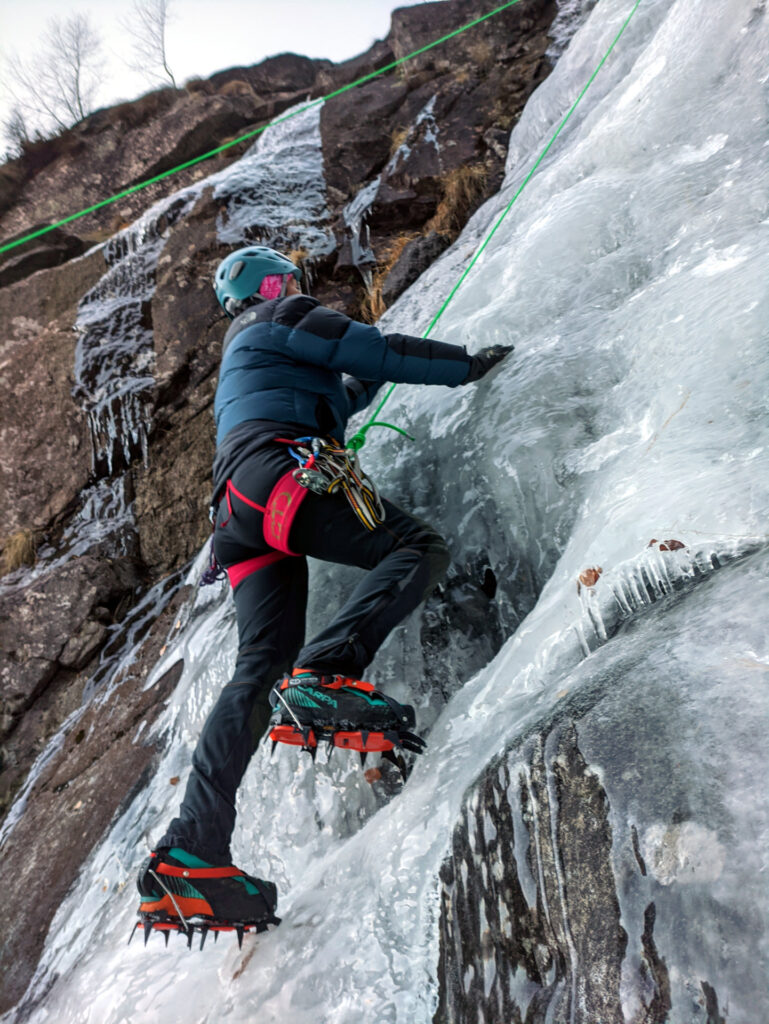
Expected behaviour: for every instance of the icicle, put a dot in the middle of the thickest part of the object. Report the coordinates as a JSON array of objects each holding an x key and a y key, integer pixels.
[
  {"x": 114, "y": 354},
  {"x": 354, "y": 215}
]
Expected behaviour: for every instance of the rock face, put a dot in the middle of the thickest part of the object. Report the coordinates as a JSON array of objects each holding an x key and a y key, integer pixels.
[
  {"x": 46, "y": 445},
  {"x": 550, "y": 894},
  {"x": 53, "y": 248},
  {"x": 575, "y": 893},
  {"x": 449, "y": 112},
  {"x": 103, "y": 759},
  {"x": 489, "y": 929},
  {"x": 418, "y": 150}
]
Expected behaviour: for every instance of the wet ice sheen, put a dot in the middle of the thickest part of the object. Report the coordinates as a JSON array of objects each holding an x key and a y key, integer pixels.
[{"x": 631, "y": 276}]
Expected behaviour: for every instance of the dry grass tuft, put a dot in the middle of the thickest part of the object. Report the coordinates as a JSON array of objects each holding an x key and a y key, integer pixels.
[
  {"x": 19, "y": 549},
  {"x": 135, "y": 113},
  {"x": 236, "y": 87},
  {"x": 199, "y": 85},
  {"x": 397, "y": 137},
  {"x": 298, "y": 256},
  {"x": 462, "y": 189},
  {"x": 373, "y": 305},
  {"x": 481, "y": 52}
]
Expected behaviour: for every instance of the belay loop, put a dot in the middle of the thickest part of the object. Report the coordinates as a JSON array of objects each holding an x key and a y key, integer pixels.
[{"x": 326, "y": 467}]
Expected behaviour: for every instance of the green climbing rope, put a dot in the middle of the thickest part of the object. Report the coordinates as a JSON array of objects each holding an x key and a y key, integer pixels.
[
  {"x": 358, "y": 439},
  {"x": 256, "y": 131}
]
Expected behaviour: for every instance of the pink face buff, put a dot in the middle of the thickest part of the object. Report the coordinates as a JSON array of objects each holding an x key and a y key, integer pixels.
[{"x": 271, "y": 286}]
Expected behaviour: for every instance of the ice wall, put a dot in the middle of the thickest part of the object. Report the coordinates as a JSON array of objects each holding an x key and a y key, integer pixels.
[{"x": 613, "y": 749}]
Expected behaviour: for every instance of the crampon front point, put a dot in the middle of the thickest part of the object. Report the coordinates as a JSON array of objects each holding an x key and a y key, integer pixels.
[
  {"x": 310, "y": 709},
  {"x": 166, "y": 924},
  {"x": 182, "y": 893}
]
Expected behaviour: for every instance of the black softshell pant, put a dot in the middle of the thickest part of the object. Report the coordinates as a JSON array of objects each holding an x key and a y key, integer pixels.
[{"x": 404, "y": 558}]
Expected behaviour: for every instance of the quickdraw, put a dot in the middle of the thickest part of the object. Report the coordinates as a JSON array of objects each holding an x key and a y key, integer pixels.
[{"x": 326, "y": 467}]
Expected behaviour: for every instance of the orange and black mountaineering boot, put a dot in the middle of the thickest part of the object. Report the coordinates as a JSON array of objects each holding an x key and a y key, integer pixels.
[
  {"x": 182, "y": 893},
  {"x": 309, "y": 707}
]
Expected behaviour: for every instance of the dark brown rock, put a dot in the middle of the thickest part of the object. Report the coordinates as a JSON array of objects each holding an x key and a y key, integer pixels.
[
  {"x": 187, "y": 321},
  {"x": 196, "y": 125},
  {"x": 46, "y": 445},
  {"x": 49, "y": 631},
  {"x": 355, "y": 146},
  {"x": 49, "y": 624},
  {"x": 448, "y": 111},
  {"x": 284, "y": 73},
  {"x": 173, "y": 491},
  {"x": 13, "y": 175},
  {"x": 50, "y": 250},
  {"x": 337, "y": 76},
  {"x": 404, "y": 207},
  {"x": 99, "y": 767},
  {"x": 82, "y": 646},
  {"x": 173, "y": 494},
  {"x": 570, "y": 943},
  {"x": 419, "y": 24},
  {"x": 416, "y": 257},
  {"x": 21, "y": 683},
  {"x": 26, "y": 737}
]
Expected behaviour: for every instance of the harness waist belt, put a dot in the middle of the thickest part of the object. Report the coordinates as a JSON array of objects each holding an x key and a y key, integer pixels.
[{"x": 282, "y": 507}]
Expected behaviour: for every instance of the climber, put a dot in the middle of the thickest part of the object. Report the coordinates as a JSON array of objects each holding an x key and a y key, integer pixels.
[{"x": 281, "y": 379}]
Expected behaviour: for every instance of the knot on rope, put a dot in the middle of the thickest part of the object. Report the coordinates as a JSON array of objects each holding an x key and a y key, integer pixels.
[{"x": 358, "y": 439}]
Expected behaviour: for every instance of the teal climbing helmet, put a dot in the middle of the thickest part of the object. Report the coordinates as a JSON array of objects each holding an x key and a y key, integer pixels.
[{"x": 240, "y": 274}]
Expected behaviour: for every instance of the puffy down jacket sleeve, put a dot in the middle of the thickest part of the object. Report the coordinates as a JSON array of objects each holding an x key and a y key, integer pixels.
[
  {"x": 360, "y": 392},
  {"x": 364, "y": 352}
]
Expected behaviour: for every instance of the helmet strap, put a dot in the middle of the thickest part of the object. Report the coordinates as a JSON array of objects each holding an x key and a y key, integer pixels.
[{"x": 234, "y": 307}]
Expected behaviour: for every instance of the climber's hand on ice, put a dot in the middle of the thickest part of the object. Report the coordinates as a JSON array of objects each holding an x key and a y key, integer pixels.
[{"x": 485, "y": 360}]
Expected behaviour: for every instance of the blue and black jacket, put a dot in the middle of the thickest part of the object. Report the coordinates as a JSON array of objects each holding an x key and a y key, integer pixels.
[{"x": 295, "y": 365}]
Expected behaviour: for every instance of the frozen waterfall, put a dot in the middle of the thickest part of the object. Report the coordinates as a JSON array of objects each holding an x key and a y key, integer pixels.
[{"x": 598, "y": 788}]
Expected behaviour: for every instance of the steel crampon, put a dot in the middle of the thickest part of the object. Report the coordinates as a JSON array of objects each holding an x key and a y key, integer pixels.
[
  {"x": 297, "y": 725},
  {"x": 189, "y": 927}
]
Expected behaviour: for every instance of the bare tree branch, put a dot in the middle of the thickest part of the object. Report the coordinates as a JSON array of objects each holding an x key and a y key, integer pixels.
[
  {"x": 76, "y": 43},
  {"x": 14, "y": 130},
  {"x": 147, "y": 25},
  {"x": 58, "y": 87}
]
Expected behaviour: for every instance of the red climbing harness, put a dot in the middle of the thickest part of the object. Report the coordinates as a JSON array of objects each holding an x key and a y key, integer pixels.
[
  {"x": 324, "y": 466},
  {"x": 279, "y": 512}
]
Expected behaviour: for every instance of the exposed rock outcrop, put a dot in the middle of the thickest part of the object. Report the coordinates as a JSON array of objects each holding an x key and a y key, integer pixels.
[
  {"x": 46, "y": 459},
  {"x": 104, "y": 758},
  {"x": 50, "y": 250}
]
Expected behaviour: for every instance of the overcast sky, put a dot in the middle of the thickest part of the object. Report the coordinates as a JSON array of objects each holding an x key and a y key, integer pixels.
[{"x": 205, "y": 36}]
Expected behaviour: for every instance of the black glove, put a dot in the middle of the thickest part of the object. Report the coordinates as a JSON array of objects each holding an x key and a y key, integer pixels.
[{"x": 485, "y": 360}]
